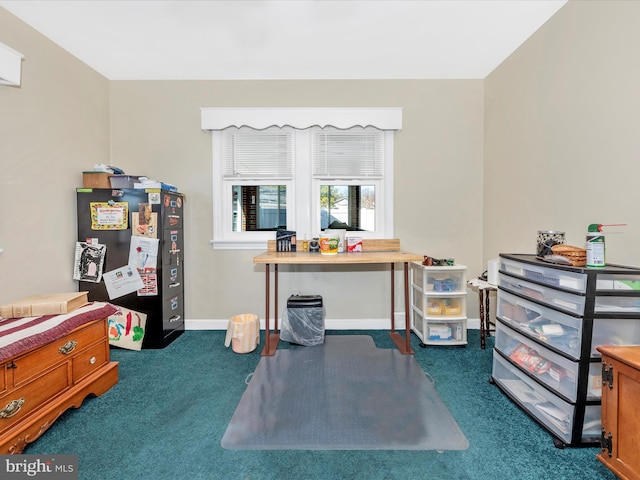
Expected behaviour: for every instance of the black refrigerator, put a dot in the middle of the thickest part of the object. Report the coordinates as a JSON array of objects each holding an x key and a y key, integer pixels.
[{"x": 120, "y": 219}]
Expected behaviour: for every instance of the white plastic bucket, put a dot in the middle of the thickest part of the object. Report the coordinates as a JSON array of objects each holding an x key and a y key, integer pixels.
[
  {"x": 243, "y": 333},
  {"x": 341, "y": 233}
]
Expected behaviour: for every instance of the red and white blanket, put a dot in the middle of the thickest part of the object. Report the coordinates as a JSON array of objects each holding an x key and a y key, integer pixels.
[{"x": 18, "y": 335}]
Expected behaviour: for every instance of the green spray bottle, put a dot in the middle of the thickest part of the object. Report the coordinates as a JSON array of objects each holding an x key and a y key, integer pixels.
[{"x": 595, "y": 246}]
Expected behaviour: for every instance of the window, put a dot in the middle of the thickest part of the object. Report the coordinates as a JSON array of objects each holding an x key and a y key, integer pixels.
[
  {"x": 348, "y": 171},
  {"x": 302, "y": 179},
  {"x": 259, "y": 207}
]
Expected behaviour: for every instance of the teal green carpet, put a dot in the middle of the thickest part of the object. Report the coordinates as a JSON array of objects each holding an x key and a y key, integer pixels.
[{"x": 167, "y": 415}]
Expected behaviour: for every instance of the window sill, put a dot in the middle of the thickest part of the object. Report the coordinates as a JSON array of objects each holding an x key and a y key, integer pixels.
[{"x": 239, "y": 245}]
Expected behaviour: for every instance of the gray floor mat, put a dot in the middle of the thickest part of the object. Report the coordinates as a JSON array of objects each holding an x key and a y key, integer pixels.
[{"x": 345, "y": 394}]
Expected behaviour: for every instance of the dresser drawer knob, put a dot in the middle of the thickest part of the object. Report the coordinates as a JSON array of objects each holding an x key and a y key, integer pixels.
[
  {"x": 92, "y": 360},
  {"x": 68, "y": 347},
  {"x": 12, "y": 408}
]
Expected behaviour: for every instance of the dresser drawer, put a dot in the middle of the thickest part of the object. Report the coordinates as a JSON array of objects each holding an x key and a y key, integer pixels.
[
  {"x": 567, "y": 302},
  {"x": 548, "y": 326},
  {"x": 558, "y": 373},
  {"x": 31, "y": 364},
  {"x": 21, "y": 401},
  {"x": 89, "y": 360}
]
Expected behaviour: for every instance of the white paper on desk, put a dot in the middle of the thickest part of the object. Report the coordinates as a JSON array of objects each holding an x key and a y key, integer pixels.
[{"x": 121, "y": 281}]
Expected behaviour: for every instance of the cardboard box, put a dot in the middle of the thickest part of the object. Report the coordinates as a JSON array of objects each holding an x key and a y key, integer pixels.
[
  {"x": 96, "y": 180},
  {"x": 354, "y": 244},
  {"x": 439, "y": 332},
  {"x": 49, "y": 304}
]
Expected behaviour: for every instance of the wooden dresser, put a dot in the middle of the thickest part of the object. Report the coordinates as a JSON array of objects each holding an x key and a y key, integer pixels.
[
  {"x": 38, "y": 385},
  {"x": 620, "y": 412}
]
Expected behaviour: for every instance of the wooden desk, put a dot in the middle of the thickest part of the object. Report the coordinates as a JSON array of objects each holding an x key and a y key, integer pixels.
[{"x": 385, "y": 252}]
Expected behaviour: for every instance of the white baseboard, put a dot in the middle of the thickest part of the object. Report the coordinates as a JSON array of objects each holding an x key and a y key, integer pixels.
[{"x": 330, "y": 324}]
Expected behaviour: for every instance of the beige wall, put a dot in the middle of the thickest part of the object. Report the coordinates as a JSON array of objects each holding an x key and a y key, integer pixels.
[
  {"x": 562, "y": 133},
  {"x": 51, "y": 129},
  {"x": 66, "y": 117},
  {"x": 155, "y": 126}
]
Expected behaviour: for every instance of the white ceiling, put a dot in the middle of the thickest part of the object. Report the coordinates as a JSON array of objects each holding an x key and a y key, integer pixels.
[{"x": 288, "y": 39}]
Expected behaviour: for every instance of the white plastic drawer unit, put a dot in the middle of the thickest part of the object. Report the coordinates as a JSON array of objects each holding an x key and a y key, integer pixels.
[
  {"x": 548, "y": 326},
  {"x": 558, "y": 373},
  {"x": 551, "y": 411},
  {"x": 440, "y": 279},
  {"x": 549, "y": 276},
  {"x": 568, "y": 302}
]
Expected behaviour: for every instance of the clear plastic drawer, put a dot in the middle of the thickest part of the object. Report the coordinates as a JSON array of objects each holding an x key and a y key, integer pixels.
[
  {"x": 594, "y": 387},
  {"x": 549, "y": 326},
  {"x": 592, "y": 425},
  {"x": 556, "y": 414},
  {"x": 614, "y": 331},
  {"x": 439, "y": 332},
  {"x": 558, "y": 373},
  {"x": 618, "y": 282},
  {"x": 440, "y": 279},
  {"x": 567, "y": 302},
  {"x": 547, "y": 275},
  {"x": 417, "y": 322},
  {"x": 446, "y": 331},
  {"x": 617, "y": 305},
  {"x": 440, "y": 305}
]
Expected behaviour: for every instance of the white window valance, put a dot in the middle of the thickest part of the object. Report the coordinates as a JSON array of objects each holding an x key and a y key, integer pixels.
[{"x": 219, "y": 118}]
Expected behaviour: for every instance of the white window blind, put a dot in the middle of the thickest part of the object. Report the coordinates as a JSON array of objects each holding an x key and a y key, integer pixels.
[
  {"x": 354, "y": 153},
  {"x": 250, "y": 153}
]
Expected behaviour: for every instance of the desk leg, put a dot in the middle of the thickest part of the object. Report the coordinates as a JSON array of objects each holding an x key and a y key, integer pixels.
[
  {"x": 270, "y": 340},
  {"x": 275, "y": 298},
  {"x": 482, "y": 321},
  {"x": 393, "y": 297},
  {"x": 404, "y": 345}
]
